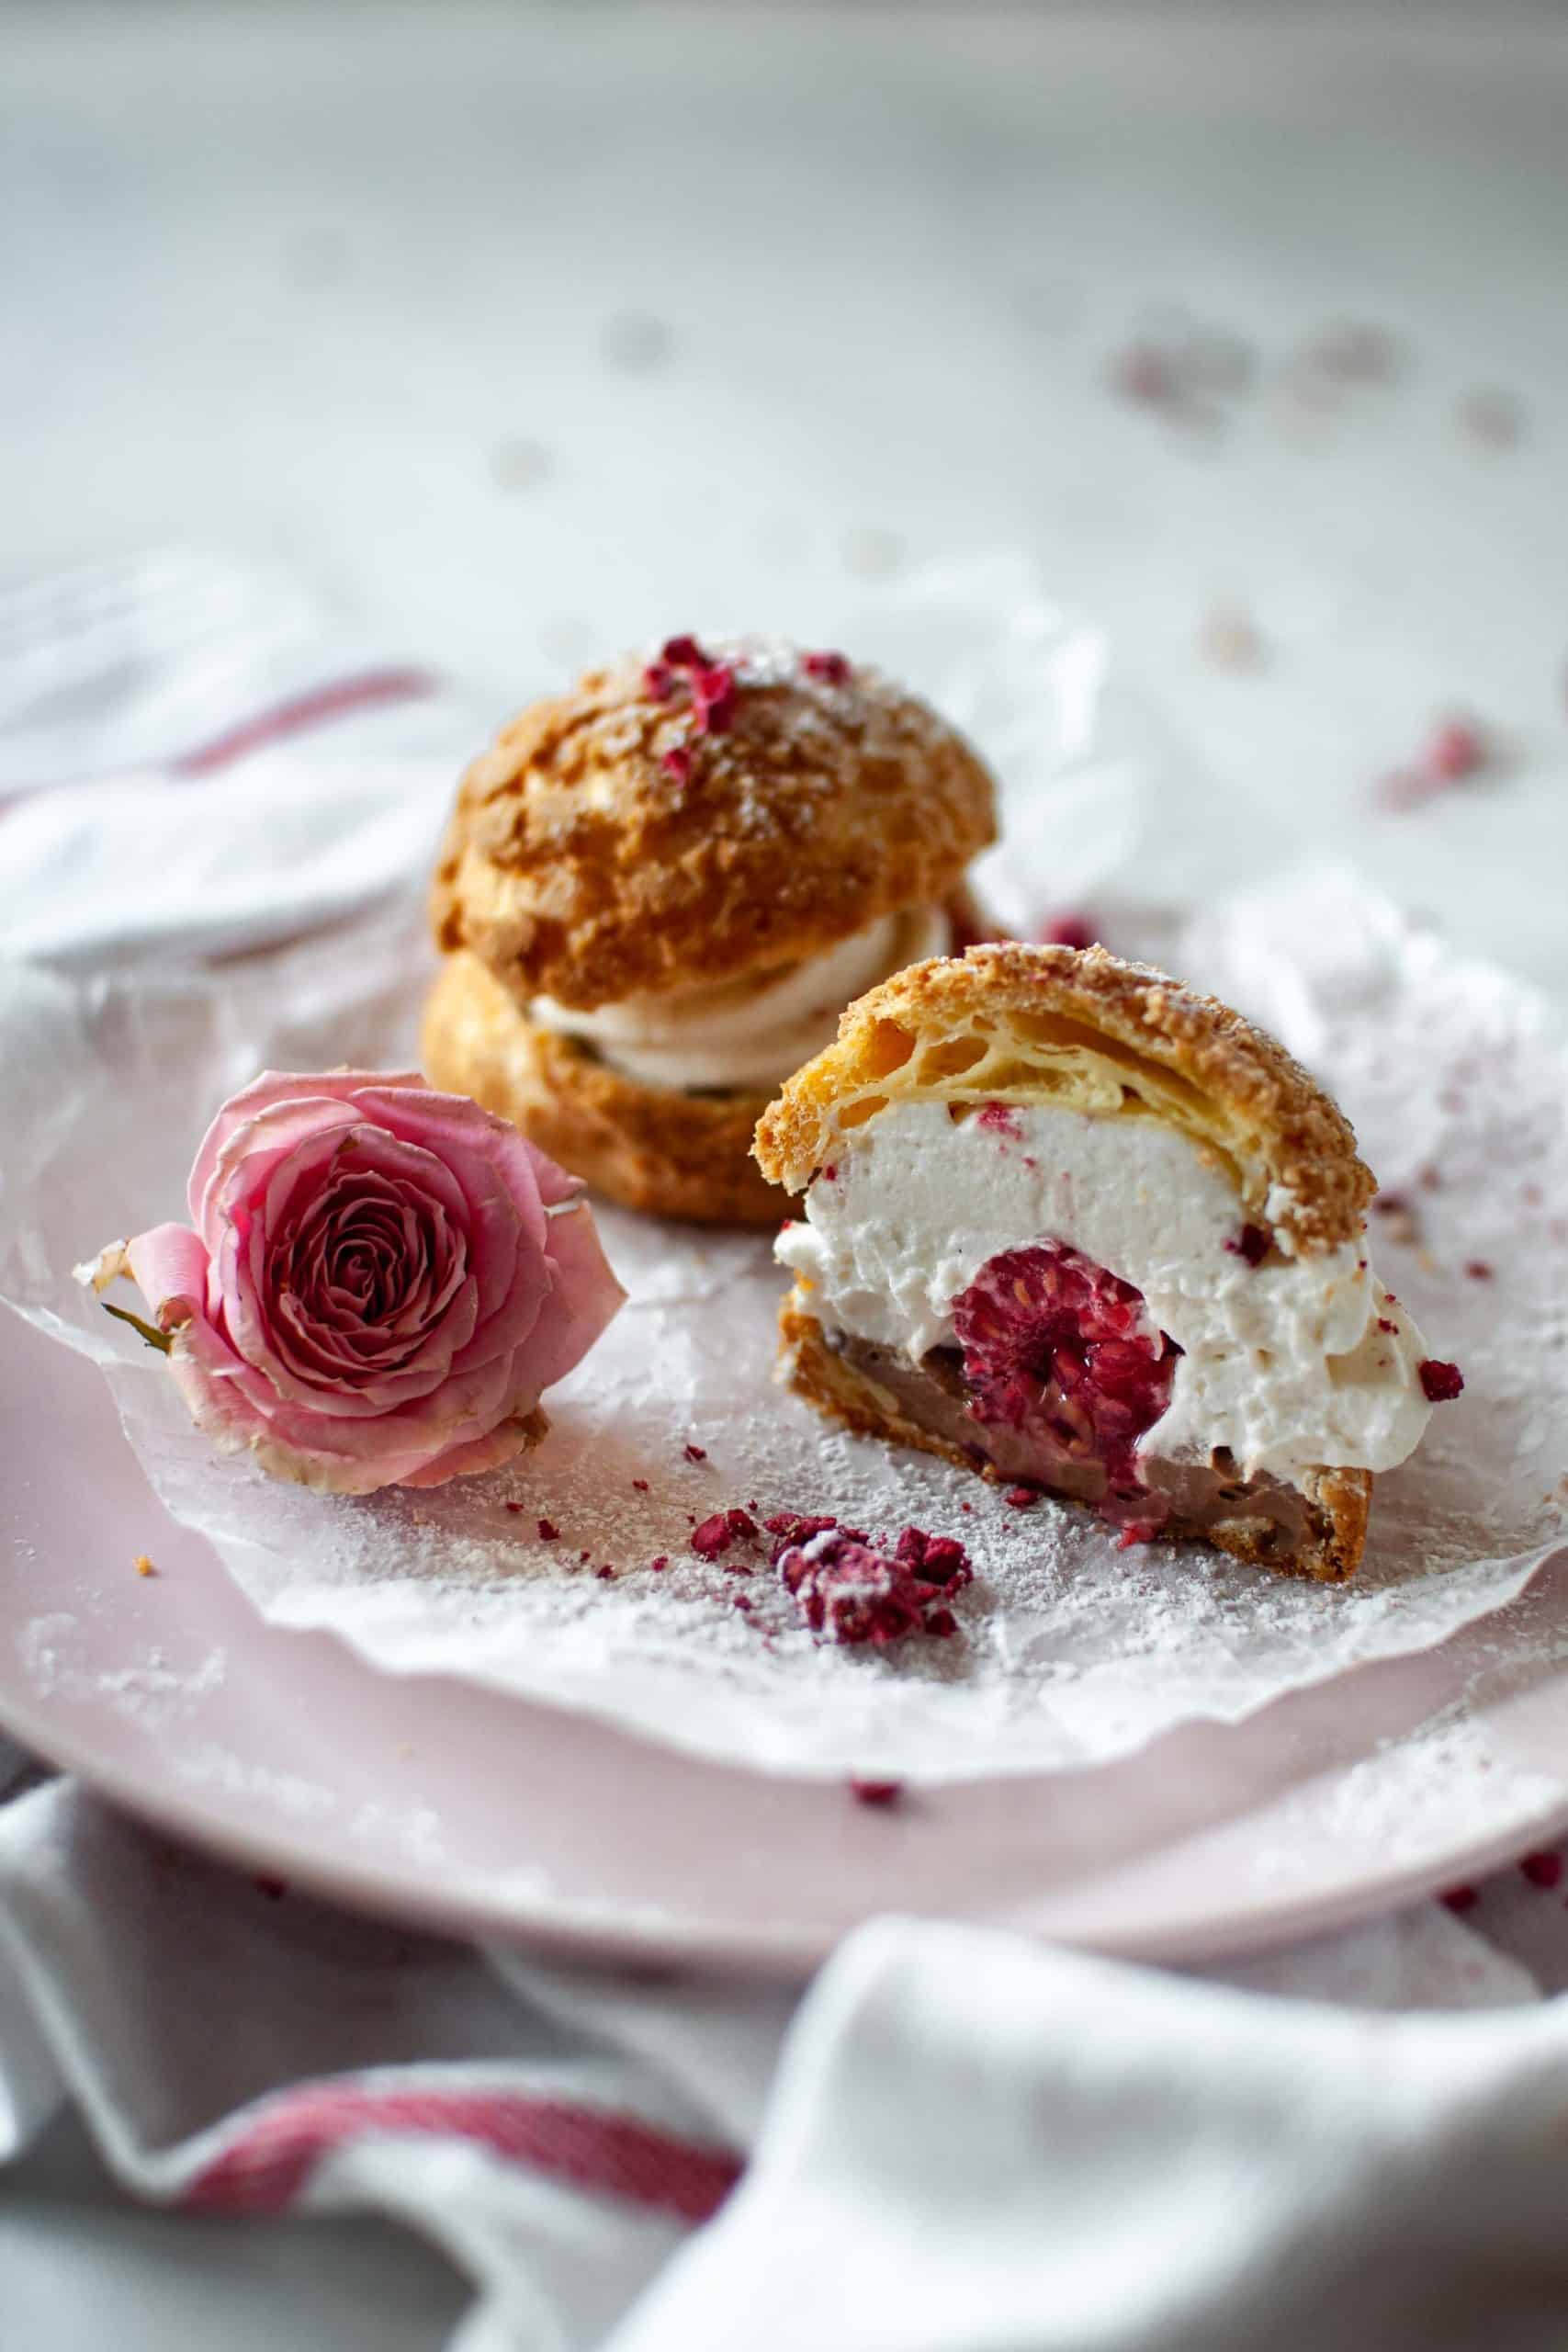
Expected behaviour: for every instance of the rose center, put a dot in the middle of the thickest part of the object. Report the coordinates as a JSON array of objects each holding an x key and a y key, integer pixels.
[{"x": 362, "y": 1275}]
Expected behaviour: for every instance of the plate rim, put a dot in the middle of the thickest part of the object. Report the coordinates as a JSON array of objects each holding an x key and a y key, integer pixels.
[{"x": 456, "y": 1902}]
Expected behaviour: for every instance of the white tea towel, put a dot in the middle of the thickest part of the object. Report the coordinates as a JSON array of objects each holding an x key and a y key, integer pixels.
[
  {"x": 961, "y": 2141},
  {"x": 194, "y": 756}
]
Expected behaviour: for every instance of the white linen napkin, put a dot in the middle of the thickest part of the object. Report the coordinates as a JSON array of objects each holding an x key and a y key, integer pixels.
[
  {"x": 961, "y": 2143},
  {"x": 196, "y": 756},
  {"x": 975, "y": 2147}
]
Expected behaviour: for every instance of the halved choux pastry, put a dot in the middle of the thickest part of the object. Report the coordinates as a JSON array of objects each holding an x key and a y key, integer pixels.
[{"x": 1082, "y": 1230}]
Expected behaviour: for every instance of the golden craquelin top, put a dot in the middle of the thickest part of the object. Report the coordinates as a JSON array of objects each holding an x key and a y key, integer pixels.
[
  {"x": 1014, "y": 1024},
  {"x": 700, "y": 815}
]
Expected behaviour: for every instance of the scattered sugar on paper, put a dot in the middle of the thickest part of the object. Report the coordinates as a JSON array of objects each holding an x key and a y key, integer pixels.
[{"x": 1070, "y": 1651}]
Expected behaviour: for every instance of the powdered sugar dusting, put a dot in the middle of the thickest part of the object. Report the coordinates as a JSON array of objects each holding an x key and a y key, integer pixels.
[
  {"x": 838, "y": 709},
  {"x": 1068, "y": 1650},
  {"x": 148, "y": 1688}
]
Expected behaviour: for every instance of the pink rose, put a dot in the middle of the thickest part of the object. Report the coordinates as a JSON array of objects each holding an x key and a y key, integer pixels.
[{"x": 381, "y": 1284}]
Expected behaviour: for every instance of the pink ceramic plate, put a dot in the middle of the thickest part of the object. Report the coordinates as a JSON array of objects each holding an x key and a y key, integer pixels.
[{"x": 468, "y": 1811}]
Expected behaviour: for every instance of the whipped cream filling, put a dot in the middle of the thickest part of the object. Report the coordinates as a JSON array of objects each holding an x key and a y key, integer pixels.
[
  {"x": 748, "y": 1032},
  {"x": 1286, "y": 1364}
]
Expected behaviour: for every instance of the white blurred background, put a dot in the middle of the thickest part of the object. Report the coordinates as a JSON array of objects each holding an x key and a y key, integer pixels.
[{"x": 527, "y": 331}]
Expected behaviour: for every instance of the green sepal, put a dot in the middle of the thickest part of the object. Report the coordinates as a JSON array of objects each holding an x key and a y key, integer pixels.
[{"x": 150, "y": 1331}]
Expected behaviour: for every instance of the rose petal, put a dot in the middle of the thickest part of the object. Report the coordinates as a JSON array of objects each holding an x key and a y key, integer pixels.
[
  {"x": 555, "y": 1184},
  {"x": 251, "y": 1152},
  {"x": 421, "y": 1264},
  {"x": 359, "y": 1455},
  {"x": 374, "y": 1390},
  {"x": 584, "y": 1299},
  {"x": 170, "y": 1267},
  {"x": 497, "y": 1169},
  {"x": 221, "y": 1411},
  {"x": 270, "y": 1091},
  {"x": 245, "y": 1279},
  {"x": 504, "y": 1443}
]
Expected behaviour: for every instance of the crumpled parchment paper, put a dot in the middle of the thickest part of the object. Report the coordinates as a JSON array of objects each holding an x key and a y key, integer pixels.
[{"x": 1071, "y": 1651}]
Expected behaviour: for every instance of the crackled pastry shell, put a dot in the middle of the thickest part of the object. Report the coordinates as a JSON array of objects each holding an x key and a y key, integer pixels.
[
  {"x": 1086, "y": 1032},
  {"x": 576, "y": 865}
]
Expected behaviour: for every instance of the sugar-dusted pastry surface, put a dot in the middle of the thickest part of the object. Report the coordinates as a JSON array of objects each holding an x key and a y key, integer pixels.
[{"x": 600, "y": 849}]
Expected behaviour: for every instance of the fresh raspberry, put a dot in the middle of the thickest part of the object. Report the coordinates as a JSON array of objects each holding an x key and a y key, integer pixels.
[
  {"x": 1440, "y": 1383},
  {"x": 1062, "y": 1351}
]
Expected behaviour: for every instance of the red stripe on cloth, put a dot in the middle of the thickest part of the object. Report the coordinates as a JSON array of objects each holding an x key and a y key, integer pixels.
[
  {"x": 266, "y": 2167},
  {"x": 306, "y": 710}
]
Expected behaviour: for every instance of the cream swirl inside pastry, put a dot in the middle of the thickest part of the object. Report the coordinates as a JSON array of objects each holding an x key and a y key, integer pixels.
[
  {"x": 1298, "y": 1360},
  {"x": 750, "y": 1032}
]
